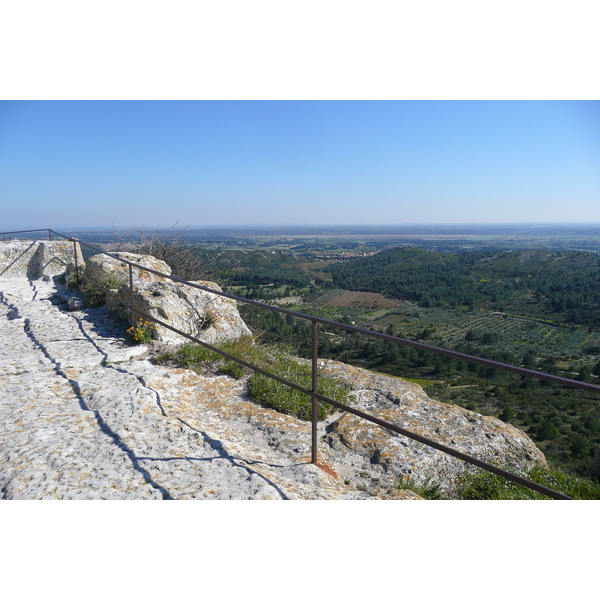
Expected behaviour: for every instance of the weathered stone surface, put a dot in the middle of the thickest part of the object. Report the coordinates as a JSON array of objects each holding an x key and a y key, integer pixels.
[
  {"x": 37, "y": 259},
  {"x": 100, "y": 266},
  {"x": 80, "y": 417},
  {"x": 78, "y": 420},
  {"x": 407, "y": 405},
  {"x": 75, "y": 303},
  {"x": 210, "y": 317}
]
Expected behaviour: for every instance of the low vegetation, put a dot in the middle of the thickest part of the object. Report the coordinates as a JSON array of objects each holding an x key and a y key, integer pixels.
[
  {"x": 95, "y": 293},
  {"x": 484, "y": 485},
  {"x": 512, "y": 301},
  {"x": 263, "y": 390},
  {"x": 142, "y": 332},
  {"x": 268, "y": 392}
]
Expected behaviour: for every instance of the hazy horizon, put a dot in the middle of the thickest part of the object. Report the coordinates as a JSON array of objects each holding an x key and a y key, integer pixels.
[{"x": 179, "y": 227}]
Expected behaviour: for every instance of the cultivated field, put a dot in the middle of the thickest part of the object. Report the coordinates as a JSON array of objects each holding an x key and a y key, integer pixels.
[
  {"x": 449, "y": 328},
  {"x": 346, "y": 299}
]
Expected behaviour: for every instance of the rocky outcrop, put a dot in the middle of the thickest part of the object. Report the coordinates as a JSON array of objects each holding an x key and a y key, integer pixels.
[
  {"x": 83, "y": 415},
  {"x": 79, "y": 419},
  {"x": 36, "y": 259},
  {"x": 406, "y": 405},
  {"x": 209, "y": 317},
  {"x": 100, "y": 267}
]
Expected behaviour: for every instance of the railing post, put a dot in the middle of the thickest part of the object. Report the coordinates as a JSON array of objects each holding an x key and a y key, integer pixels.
[
  {"x": 50, "y": 234},
  {"x": 315, "y": 349},
  {"x": 131, "y": 296}
]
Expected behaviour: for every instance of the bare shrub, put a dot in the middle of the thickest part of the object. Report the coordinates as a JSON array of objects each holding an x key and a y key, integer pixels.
[{"x": 183, "y": 258}]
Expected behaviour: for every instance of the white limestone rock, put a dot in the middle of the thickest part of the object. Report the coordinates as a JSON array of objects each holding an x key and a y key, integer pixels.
[
  {"x": 100, "y": 266},
  {"x": 79, "y": 422},
  {"x": 406, "y": 405},
  {"x": 38, "y": 259},
  {"x": 209, "y": 317},
  {"x": 79, "y": 419}
]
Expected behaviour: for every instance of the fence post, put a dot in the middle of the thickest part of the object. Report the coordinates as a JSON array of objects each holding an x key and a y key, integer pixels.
[
  {"x": 131, "y": 296},
  {"x": 50, "y": 234},
  {"x": 315, "y": 349}
]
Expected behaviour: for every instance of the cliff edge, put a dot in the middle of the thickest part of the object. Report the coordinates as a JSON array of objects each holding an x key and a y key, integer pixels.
[{"x": 84, "y": 415}]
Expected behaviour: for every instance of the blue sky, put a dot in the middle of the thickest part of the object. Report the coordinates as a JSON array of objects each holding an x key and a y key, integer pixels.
[{"x": 155, "y": 163}]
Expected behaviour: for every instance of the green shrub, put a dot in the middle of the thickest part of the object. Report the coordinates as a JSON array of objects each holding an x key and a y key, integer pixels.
[
  {"x": 193, "y": 357},
  {"x": 272, "y": 394},
  {"x": 484, "y": 485},
  {"x": 264, "y": 390},
  {"x": 95, "y": 293},
  {"x": 232, "y": 369},
  {"x": 487, "y": 486}
]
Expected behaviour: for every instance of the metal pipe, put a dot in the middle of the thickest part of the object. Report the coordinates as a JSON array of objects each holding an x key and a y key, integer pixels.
[
  {"x": 415, "y": 436},
  {"x": 590, "y": 387},
  {"x": 29, "y": 231}
]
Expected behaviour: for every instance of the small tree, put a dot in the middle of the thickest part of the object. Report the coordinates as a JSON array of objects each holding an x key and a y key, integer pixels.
[
  {"x": 584, "y": 374},
  {"x": 547, "y": 430},
  {"x": 580, "y": 445}
]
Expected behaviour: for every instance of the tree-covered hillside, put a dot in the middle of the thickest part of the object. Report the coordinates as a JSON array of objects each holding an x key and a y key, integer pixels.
[
  {"x": 563, "y": 287},
  {"x": 257, "y": 267}
]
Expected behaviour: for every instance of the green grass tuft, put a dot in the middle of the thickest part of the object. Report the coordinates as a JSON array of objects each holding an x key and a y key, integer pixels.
[
  {"x": 278, "y": 360},
  {"x": 193, "y": 357},
  {"x": 95, "y": 293},
  {"x": 272, "y": 394},
  {"x": 232, "y": 369},
  {"x": 484, "y": 485}
]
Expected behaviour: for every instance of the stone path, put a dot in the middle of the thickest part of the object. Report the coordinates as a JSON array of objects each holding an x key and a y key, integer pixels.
[{"x": 82, "y": 418}]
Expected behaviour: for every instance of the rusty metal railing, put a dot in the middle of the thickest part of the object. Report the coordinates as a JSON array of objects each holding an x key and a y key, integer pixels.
[{"x": 313, "y": 393}]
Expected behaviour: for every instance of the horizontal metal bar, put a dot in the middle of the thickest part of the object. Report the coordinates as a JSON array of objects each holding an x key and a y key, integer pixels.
[
  {"x": 419, "y": 438},
  {"x": 25, "y": 231},
  {"x": 418, "y": 345},
  {"x": 589, "y": 387}
]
